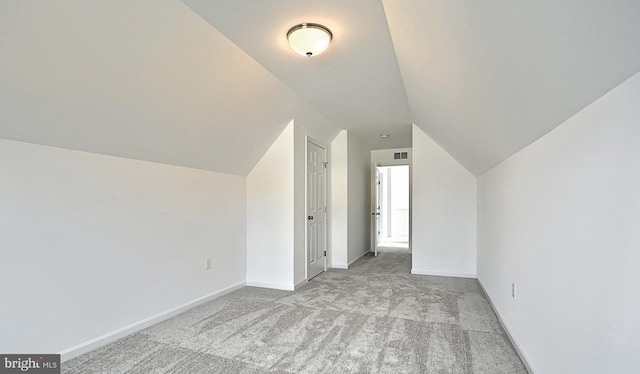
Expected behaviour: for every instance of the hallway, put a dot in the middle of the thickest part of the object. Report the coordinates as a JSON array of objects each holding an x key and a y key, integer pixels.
[{"x": 372, "y": 318}]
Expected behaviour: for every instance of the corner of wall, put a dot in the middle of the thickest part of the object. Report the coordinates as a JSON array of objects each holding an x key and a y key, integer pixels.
[
  {"x": 270, "y": 215},
  {"x": 358, "y": 202},
  {"x": 444, "y": 211},
  {"x": 339, "y": 200}
]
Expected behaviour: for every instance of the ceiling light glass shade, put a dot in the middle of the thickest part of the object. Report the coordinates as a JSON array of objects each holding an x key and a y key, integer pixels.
[{"x": 309, "y": 39}]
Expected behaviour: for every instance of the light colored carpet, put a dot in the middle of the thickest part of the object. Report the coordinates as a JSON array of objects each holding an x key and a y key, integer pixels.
[{"x": 372, "y": 318}]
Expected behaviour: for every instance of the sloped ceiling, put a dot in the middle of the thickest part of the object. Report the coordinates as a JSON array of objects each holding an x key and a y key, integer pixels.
[
  {"x": 154, "y": 80},
  {"x": 356, "y": 83},
  {"x": 482, "y": 78},
  {"x": 486, "y": 78},
  {"x": 148, "y": 80}
]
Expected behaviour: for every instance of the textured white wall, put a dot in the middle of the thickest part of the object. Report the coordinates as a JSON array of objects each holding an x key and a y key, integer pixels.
[
  {"x": 443, "y": 211},
  {"x": 562, "y": 219},
  {"x": 270, "y": 216},
  {"x": 339, "y": 201},
  {"x": 92, "y": 243}
]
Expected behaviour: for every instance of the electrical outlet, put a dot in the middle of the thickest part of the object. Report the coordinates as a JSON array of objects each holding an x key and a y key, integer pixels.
[
  {"x": 207, "y": 264},
  {"x": 513, "y": 290}
]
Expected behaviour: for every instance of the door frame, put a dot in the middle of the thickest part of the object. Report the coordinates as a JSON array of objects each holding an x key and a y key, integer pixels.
[
  {"x": 375, "y": 166},
  {"x": 306, "y": 204}
]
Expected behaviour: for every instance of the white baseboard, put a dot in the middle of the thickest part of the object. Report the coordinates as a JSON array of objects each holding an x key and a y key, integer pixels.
[
  {"x": 275, "y": 286},
  {"x": 442, "y": 273},
  {"x": 346, "y": 266},
  {"x": 112, "y": 336},
  {"x": 300, "y": 284},
  {"x": 519, "y": 351},
  {"x": 357, "y": 258}
]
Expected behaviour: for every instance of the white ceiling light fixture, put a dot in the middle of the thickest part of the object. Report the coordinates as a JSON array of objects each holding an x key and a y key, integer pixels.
[
  {"x": 309, "y": 39},
  {"x": 384, "y": 136}
]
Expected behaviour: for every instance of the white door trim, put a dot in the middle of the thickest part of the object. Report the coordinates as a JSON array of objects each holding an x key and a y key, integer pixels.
[{"x": 373, "y": 208}]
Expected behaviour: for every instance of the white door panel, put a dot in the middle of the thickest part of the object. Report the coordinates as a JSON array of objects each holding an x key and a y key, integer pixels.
[{"x": 316, "y": 206}]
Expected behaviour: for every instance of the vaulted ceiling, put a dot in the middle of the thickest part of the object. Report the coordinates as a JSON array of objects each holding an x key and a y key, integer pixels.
[
  {"x": 148, "y": 80},
  {"x": 482, "y": 78},
  {"x": 486, "y": 78},
  {"x": 210, "y": 84},
  {"x": 356, "y": 83}
]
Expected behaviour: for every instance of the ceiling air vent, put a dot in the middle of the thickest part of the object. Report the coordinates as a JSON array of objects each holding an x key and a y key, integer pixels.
[{"x": 400, "y": 155}]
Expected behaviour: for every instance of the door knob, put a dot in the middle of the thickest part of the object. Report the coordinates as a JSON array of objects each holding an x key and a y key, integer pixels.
[{"x": 309, "y": 218}]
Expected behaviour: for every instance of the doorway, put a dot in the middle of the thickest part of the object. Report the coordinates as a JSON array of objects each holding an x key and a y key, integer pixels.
[
  {"x": 316, "y": 209},
  {"x": 392, "y": 207}
]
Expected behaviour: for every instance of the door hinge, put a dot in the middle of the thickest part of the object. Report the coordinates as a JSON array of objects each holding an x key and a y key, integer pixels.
[
  {"x": 325, "y": 209},
  {"x": 325, "y": 164},
  {"x": 325, "y": 253}
]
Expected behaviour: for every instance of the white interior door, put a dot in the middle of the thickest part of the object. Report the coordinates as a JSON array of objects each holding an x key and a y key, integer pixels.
[{"x": 316, "y": 209}]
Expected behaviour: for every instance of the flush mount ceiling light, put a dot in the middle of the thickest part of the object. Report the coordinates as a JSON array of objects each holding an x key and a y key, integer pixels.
[
  {"x": 309, "y": 39},
  {"x": 384, "y": 136}
]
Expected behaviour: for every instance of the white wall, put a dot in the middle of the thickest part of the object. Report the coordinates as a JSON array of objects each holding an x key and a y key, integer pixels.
[
  {"x": 385, "y": 157},
  {"x": 270, "y": 216},
  {"x": 92, "y": 243},
  {"x": 443, "y": 211},
  {"x": 300, "y": 201},
  {"x": 359, "y": 192},
  {"x": 339, "y": 201},
  {"x": 350, "y": 199},
  {"x": 562, "y": 219},
  {"x": 276, "y": 203}
]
